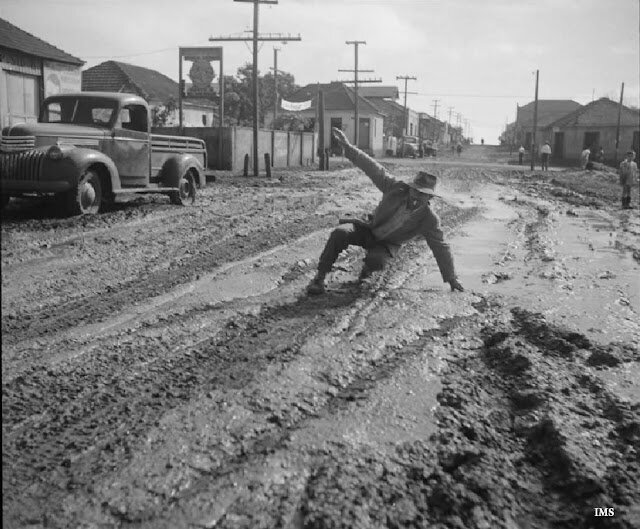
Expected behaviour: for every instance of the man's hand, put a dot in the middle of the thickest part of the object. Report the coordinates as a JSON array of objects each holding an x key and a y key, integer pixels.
[
  {"x": 455, "y": 285},
  {"x": 340, "y": 136}
]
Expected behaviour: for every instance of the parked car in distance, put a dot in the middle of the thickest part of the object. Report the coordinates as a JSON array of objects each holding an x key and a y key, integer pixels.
[
  {"x": 429, "y": 148},
  {"x": 409, "y": 146},
  {"x": 89, "y": 147}
]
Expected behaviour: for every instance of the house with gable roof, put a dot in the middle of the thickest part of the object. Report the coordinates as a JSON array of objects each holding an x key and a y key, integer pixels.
[
  {"x": 595, "y": 125},
  {"x": 30, "y": 70},
  {"x": 339, "y": 102},
  {"x": 549, "y": 110},
  {"x": 155, "y": 87}
]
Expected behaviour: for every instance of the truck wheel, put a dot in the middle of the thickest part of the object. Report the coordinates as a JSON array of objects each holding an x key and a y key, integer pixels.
[
  {"x": 186, "y": 193},
  {"x": 86, "y": 198}
]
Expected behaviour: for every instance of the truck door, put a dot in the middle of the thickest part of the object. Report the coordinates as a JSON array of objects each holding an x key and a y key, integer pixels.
[{"x": 130, "y": 147}]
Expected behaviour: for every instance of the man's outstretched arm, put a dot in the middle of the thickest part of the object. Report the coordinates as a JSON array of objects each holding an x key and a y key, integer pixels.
[
  {"x": 362, "y": 160},
  {"x": 441, "y": 250}
]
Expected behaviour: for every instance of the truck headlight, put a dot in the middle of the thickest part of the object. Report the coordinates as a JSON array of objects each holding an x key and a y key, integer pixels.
[{"x": 54, "y": 153}]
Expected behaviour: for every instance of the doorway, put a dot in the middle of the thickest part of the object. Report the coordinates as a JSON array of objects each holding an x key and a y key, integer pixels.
[
  {"x": 364, "y": 139},
  {"x": 558, "y": 145},
  {"x": 591, "y": 140}
]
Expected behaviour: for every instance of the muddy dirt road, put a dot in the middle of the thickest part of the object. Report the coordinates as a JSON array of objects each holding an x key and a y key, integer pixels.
[{"x": 163, "y": 368}]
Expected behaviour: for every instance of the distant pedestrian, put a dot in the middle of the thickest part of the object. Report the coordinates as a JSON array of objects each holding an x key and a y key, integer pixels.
[
  {"x": 453, "y": 149},
  {"x": 584, "y": 158},
  {"x": 600, "y": 155},
  {"x": 459, "y": 148},
  {"x": 628, "y": 173},
  {"x": 545, "y": 151},
  {"x": 520, "y": 155}
]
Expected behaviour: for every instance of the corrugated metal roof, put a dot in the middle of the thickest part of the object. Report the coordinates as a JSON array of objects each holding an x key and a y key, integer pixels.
[{"x": 14, "y": 38}]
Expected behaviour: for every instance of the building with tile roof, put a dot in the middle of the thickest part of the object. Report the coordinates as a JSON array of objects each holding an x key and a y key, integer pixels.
[
  {"x": 339, "y": 102},
  {"x": 594, "y": 125},
  {"x": 30, "y": 70},
  {"x": 549, "y": 110},
  {"x": 155, "y": 87}
]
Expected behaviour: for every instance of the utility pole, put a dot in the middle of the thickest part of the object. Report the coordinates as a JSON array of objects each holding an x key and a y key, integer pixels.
[
  {"x": 356, "y": 81},
  {"x": 450, "y": 111},
  {"x": 618, "y": 125},
  {"x": 255, "y": 39},
  {"x": 435, "y": 108},
  {"x": 406, "y": 78},
  {"x": 535, "y": 124},
  {"x": 275, "y": 84}
]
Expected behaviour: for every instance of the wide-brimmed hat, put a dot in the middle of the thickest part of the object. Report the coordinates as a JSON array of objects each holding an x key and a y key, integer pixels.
[{"x": 425, "y": 183}]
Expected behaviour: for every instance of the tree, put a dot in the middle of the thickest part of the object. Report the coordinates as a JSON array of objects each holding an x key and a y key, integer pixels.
[
  {"x": 160, "y": 114},
  {"x": 238, "y": 97}
]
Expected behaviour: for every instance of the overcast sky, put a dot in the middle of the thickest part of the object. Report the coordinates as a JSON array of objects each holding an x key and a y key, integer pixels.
[{"x": 478, "y": 57}]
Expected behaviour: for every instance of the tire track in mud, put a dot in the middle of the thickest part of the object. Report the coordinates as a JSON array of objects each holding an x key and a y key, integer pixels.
[
  {"x": 558, "y": 434},
  {"x": 528, "y": 437},
  {"x": 117, "y": 407},
  {"x": 98, "y": 410},
  {"x": 96, "y": 307}
]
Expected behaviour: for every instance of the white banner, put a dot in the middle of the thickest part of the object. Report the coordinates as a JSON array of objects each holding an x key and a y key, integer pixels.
[{"x": 294, "y": 107}]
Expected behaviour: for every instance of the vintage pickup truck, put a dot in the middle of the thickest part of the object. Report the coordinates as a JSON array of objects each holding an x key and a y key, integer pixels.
[{"x": 89, "y": 147}]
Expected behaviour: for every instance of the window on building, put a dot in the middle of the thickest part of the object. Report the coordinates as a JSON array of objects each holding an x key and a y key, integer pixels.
[
  {"x": 204, "y": 119},
  {"x": 22, "y": 97}
]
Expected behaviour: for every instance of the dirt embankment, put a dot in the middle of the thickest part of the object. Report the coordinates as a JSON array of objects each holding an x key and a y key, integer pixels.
[{"x": 162, "y": 366}]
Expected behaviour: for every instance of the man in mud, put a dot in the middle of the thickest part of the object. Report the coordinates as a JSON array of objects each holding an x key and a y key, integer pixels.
[{"x": 402, "y": 214}]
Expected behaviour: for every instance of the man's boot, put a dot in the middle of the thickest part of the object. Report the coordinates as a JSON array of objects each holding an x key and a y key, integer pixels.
[{"x": 316, "y": 287}]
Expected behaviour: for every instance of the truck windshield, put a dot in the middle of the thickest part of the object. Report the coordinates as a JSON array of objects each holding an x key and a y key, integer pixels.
[{"x": 79, "y": 111}]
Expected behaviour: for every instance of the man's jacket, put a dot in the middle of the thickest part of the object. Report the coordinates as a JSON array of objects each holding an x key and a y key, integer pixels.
[
  {"x": 396, "y": 219},
  {"x": 628, "y": 172}
]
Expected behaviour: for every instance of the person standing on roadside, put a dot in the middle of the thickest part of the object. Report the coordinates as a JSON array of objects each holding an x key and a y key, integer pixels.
[
  {"x": 584, "y": 158},
  {"x": 545, "y": 152},
  {"x": 402, "y": 214},
  {"x": 628, "y": 173},
  {"x": 520, "y": 154},
  {"x": 459, "y": 148}
]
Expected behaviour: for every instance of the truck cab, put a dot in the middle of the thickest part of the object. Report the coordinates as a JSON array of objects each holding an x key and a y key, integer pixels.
[{"x": 89, "y": 147}]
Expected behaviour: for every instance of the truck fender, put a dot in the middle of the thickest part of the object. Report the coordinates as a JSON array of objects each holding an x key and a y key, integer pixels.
[
  {"x": 84, "y": 158},
  {"x": 175, "y": 168}
]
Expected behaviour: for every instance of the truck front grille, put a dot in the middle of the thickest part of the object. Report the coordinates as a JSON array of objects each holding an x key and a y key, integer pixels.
[
  {"x": 24, "y": 166},
  {"x": 17, "y": 143}
]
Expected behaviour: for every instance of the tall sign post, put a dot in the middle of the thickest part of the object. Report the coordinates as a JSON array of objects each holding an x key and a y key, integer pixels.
[{"x": 202, "y": 75}]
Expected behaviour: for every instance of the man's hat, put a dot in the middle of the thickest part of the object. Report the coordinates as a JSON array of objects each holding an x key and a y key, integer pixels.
[{"x": 425, "y": 183}]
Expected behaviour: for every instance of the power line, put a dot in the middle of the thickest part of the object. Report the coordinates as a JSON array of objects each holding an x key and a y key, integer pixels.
[
  {"x": 470, "y": 95},
  {"x": 255, "y": 38},
  {"x": 128, "y": 55}
]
